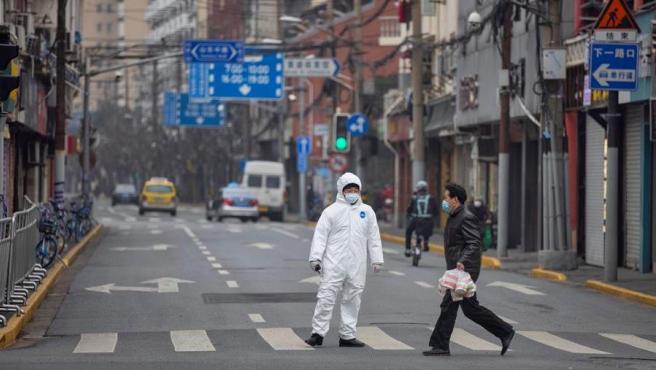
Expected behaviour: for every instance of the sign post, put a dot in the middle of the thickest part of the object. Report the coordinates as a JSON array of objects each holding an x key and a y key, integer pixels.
[
  {"x": 613, "y": 67},
  {"x": 180, "y": 110}
]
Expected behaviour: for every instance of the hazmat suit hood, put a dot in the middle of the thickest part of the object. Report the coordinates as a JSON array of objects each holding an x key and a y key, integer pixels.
[{"x": 345, "y": 179}]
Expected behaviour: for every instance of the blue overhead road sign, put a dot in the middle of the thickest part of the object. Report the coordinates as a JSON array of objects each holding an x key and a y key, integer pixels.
[
  {"x": 259, "y": 77},
  {"x": 213, "y": 51},
  {"x": 614, "y": 66},
  {"x": 180, "y": 110}
]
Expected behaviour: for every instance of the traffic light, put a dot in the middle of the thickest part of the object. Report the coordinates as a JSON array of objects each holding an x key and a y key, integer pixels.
[
  {"x": 341, "y": 134},
  {"x": 8, "y": 83}
]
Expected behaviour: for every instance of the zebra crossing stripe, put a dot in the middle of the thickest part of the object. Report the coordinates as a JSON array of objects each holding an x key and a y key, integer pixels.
[
  {"x": 509, "y": 321},
  {"x": 256, "y": 317},
  {"x": 283, "y": 339},
  {"x": 377, "y": 339},
  {"x": 96, "y": 343},
  {"x": 557, "y": 342},
  {"x": 470, "y": 341},
  {"x": 632, "y": 340},
  {"x": 191, "y": 341}
]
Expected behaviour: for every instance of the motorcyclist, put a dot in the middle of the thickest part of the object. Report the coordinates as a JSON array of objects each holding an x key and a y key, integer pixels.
[
  {"x": 346, "y": 232},
  {"x": 421, "y": 214}
]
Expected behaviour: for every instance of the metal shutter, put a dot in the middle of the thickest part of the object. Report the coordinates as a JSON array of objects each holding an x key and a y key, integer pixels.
[
  {"x": 632, "y": 184},
  {"x": 595, "y": 143}
]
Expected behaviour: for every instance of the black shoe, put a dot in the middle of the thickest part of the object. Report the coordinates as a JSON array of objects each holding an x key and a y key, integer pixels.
[
  {"x": 314, "y": 340},
  {"x": 505, "y": 342},
  {"x": 435, "y": 351},
  {"x": 407, "y": 252},
  {"x": 426, "y": 248},
  {"x": 350, "y": 343}
]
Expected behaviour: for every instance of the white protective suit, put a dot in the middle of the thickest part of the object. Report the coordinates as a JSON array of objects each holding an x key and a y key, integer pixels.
[{"x": 341, "y": 240}]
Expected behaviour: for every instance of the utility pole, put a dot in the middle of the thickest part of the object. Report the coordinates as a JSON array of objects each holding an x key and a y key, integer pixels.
[
  {"x": 301, "y": 175},
  {"x": 85, "y": 130},
  {"x": 357, "y": 81},
  {"x": 330, "y": 10},
  {"x": 612, "y": 188},
  {"x": 60, "y": 90},
  {"x": 504, "y": 133},
  {"x": 418, "y": 167},
  {"x": 155, "y": 95}
]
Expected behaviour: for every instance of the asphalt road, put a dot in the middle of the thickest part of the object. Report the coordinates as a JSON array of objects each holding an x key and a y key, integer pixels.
[{"x": 160, "y": 292}]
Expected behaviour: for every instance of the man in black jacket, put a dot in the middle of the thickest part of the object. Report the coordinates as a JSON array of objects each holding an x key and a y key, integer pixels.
[{"x": 462, "y": 251}]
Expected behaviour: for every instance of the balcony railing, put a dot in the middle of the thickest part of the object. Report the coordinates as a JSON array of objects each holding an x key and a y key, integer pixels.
[{"x": 391, "y": 31}]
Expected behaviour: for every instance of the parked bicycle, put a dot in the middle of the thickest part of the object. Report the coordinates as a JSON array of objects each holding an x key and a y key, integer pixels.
[{"x": 48, "y": 247}]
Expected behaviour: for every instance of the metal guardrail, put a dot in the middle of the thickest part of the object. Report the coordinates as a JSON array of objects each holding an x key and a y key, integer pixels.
[{"x": 6, "y": 228}]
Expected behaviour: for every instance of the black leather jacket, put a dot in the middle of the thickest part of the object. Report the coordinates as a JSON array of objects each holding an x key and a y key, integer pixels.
[{"x": 462, "y": 242}]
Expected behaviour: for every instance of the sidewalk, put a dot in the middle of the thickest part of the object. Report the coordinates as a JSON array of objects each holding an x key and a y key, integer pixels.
[{"x": 630, "y": 285}]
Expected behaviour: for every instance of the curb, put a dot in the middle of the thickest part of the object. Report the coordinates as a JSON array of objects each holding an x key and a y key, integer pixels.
[
  {"x": 9, "y": 333},
  {"x": 617, "y": 291},
  {"x": 541, "y": 273}
]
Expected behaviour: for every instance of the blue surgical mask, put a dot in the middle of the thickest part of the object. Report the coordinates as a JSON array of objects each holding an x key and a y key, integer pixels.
[
  {"x": 352, "y": 198},
  {"x": 445, "y": 206}
]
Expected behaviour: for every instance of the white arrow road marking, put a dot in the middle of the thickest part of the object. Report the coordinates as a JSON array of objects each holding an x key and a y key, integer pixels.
[
  {"x": 167, "y": 284},
  {"x": 283, "y": 339},
  {"x": 524, "y": 289},
  {"x": 312, "y": 280},
  {"x": 164, "y": 285},
  {"x": 96, "y": 343},
  {"x": 191, "y": 341},
  {"x": 156, "y": 247},
  {"x": 632, "y": 340},
  {"x": 424, "y": 284},
  {"x": 262, "y": 245},
  {"x": 256, "y": 317},
  {"x": 562, "y": 344},
  {"x": 232, "y": 284}
]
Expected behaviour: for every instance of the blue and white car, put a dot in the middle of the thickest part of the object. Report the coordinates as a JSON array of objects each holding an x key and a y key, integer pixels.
[{"x": 233, "y": 202}]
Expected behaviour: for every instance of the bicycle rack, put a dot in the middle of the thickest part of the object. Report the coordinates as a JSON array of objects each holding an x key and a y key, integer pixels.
[{"x": 11, "y": 308}]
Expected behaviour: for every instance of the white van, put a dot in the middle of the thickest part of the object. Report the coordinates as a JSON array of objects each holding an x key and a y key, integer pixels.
[{"x": 267, "y": 180}]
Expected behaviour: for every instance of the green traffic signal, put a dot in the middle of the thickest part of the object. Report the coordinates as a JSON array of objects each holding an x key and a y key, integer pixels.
[{"x": 341, "y": 143}]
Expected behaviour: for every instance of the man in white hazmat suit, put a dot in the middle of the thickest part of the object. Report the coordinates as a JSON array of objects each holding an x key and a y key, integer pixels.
[{"x": 346, "y": 230}]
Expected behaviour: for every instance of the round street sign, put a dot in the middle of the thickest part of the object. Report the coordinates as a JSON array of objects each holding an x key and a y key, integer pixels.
[
  {"x": 358, "y": 124},
  {"x": 338, "y": 162}
]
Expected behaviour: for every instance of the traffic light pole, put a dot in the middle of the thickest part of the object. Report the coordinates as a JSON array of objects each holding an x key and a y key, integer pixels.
[
  {"x": 504, "y": 135},
  {"x": 357, "y": 91},
  {"x": 60, "y": 89},
  {"x": 612, "y": 184},
  {"x": 85, "y": 132},
  {"x": 418, "y": 167}
]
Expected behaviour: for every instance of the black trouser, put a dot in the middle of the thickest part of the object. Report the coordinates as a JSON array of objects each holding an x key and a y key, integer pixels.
[
  {"x": 424, "y": 228},
  {"x": 474, "y": 311}
]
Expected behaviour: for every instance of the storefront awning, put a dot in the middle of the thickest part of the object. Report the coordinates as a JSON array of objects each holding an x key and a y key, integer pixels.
[{"x": 440, "y": 115}]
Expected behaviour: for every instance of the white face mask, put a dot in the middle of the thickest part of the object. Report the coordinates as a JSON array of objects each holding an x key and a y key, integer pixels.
[{"x": 352, "y": 198}]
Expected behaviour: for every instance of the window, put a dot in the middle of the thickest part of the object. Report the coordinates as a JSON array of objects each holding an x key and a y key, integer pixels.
[
  {"x": 110, "y": 26},
  {"x": 109, "y": 8},
  {"x": 99, "y": 8},
  {"x": 99, "y": 27},
  {"x": 273, "y": 182},
  {"x": 159, "y": 189},
  {"x": 254, "y": 181}
]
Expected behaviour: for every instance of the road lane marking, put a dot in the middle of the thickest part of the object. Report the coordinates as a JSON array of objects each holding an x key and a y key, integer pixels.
[
  {"x": 509, "y": 321},
  {"x": 256, "y": 317},
  {"x": 189, "y": 232},
  {"x": 154, "y": 219},
  {"x": 96, "y": 343},
  {"x": 470, "y": 341},
  {"x": 217, "y": 265},
  {"x": 397, "y": 273},
  {"x": 287, "y": 233},
  {"x": 211, "y": 258},
  {"x": 206, "y": 226},
  {"x": 390, "y": 251},
  {"x": 283, "y": 339},
  {"x": 191, "y": 341},
  {"x": 262, "y": 245},
  {"x": 202, "y": 247},
  {"x": 632, "y": 340},
  {"x": 377, "y": 339},
  {"x": 224, "y": 272},
  {"x": 562, "y": 344},
  {"x": 232, "y": 284},
  {"x": 156, "y": 247},
  {"x": 155, "y": 232},
  {"x": 424, "y": 284},
  {"x": 207, "y": 253},
  {"x": 524, "y": 289},
  {"x": 130, "y": 219},
  {"x": 311, "y": 280}
]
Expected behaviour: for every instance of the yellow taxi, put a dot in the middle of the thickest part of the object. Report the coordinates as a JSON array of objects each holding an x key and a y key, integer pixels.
[{"x": 158, "y": 195}]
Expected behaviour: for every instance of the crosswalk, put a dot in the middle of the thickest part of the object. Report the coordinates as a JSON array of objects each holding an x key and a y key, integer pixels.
[{"x": 377, "y": 339}]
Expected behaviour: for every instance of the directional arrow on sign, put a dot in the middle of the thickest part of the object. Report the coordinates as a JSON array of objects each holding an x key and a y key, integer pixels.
[
  {"x": 312, "y": 280},
  {"x": 525, "y": 289},
  {"x": 262, "y": 245},
  {"x": 604, "y": 75},
  {"x": 156, "y": 247},
  {"x": 164, "y": 285}
]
